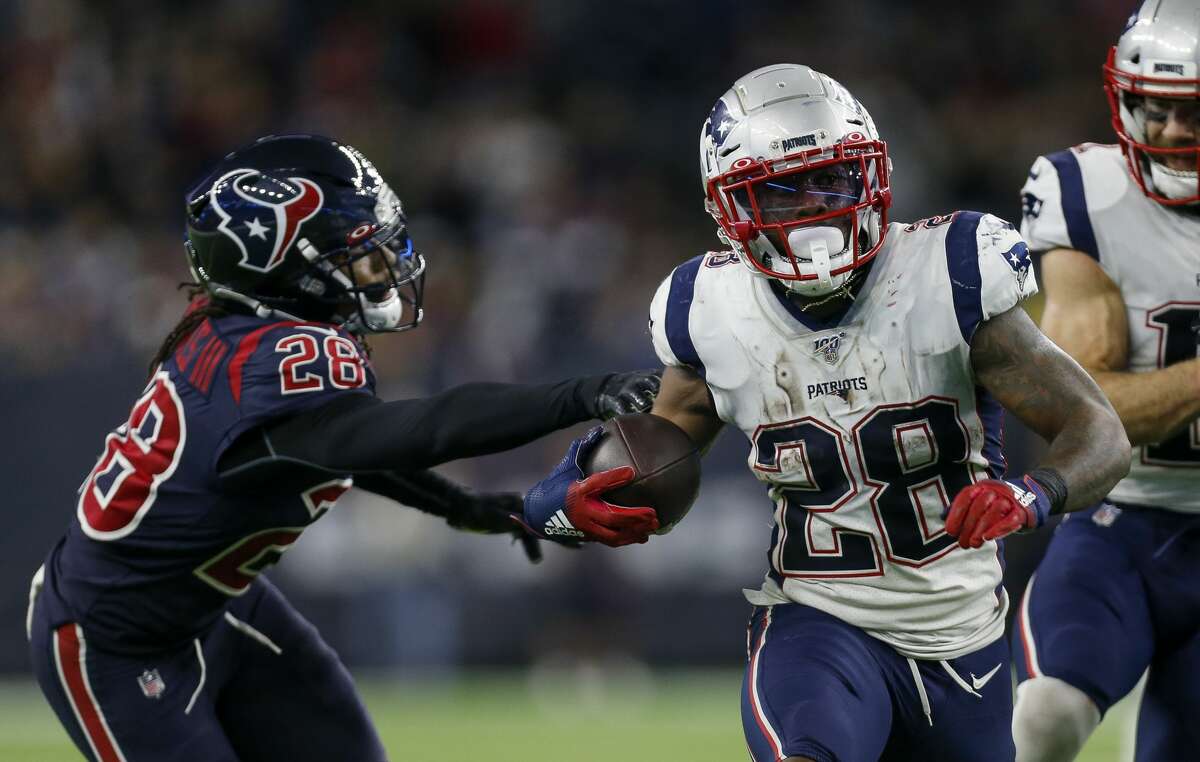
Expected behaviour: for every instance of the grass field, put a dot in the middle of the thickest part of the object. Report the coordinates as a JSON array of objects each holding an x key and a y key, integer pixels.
[{"x": 686, "y": 716}]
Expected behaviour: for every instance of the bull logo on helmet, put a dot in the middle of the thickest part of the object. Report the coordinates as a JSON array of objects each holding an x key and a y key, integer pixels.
[{"x": 263, "y": 214}]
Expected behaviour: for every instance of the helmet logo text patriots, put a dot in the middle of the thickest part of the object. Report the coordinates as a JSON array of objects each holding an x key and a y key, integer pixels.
[
  {"x": 262, "y": 214},
  {"x": 803, "y": 140}
]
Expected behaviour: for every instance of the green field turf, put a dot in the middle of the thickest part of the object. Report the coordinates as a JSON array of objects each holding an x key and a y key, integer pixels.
[{"x": 688, "y": 716}]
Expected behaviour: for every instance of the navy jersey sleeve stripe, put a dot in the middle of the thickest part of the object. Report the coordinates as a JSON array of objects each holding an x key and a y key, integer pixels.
[
  {"x": 991, "y": 415},
  {"x": 962, "y": 263},
  {"x": 1074, "y": 203},
  {"x": 679, "y": 308}
]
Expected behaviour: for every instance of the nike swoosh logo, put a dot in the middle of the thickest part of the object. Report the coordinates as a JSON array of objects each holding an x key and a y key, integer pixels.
[{"x": 979, "y": 682}]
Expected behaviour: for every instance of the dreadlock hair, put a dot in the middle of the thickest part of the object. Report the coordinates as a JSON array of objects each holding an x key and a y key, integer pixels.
[{"x": 201, "y": 308}]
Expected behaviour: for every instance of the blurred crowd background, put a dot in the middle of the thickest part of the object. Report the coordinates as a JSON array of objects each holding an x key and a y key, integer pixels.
[{"x": 546, "y": 151}]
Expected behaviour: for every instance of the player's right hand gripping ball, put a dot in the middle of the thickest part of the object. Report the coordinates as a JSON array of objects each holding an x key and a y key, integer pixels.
[
  {"x": 993, "y": 508},
  {"x": 665, "y": 460},
  {"x": 566, "y": 506}
]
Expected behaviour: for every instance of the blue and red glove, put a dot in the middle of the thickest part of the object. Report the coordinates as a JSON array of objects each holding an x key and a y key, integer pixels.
[
  {"x": 566, "y": 507},
  {"x": 994, "y": 508}
]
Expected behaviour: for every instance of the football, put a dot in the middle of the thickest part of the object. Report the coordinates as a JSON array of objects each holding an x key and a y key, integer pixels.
[{"x": 665, "y": 461}]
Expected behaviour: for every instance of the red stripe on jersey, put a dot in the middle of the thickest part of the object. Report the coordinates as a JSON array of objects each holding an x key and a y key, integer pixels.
[
  {"x": 249, "y": 343},
  {"x": 202, "y": 363},
  {"x": 210, "y": 356},
  {"x": 211, "y": 370},
  {"x": 188, "y": 349},
  {"x": 69, "y": 651}
]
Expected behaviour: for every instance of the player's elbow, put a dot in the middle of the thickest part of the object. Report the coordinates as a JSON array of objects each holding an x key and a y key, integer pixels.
[{"x": 1109, "y": 433}]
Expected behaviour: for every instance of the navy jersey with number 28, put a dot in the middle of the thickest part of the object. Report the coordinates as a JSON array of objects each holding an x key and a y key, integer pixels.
[{"x": 158, "y": 547}]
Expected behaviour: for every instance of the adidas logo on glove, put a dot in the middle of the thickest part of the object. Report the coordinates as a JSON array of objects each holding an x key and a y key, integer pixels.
[
  {"x": 1025, "y": 498},
  {"x": 558, "y": 524}
]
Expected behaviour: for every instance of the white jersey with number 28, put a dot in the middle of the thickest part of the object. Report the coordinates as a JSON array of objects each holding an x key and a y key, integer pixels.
[{"x": 864, "y": 427}]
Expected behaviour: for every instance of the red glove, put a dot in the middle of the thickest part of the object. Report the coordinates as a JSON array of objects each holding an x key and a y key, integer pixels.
[
  {"x": 566, "y": 506},
  {"x": 991, "y": 509},
  {"x": 613, "y": 525}
]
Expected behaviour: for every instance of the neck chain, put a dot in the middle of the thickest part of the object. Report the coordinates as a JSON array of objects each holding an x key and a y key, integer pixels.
[{"x": 848, "y": 290}]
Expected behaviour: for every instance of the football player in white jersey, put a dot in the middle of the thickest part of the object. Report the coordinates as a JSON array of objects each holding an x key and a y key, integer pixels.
[
  {"x": 867, "y": 363},
  {"x": 1119, "y": 589}
]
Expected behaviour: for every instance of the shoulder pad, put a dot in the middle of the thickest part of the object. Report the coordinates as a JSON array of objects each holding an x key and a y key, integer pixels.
[
  {"x": 289, "y": 366},
  {"x": 989, "y": 267},
  {"x": 671, "y": 308},
  {"x": 1055, "y": 206}
]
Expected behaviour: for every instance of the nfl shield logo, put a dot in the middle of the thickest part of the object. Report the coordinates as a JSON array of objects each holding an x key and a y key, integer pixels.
[
  {"x": 828, "y": 346},
  {"x": 1106, "y": 515},
  {"x": 152, "y": 684}
]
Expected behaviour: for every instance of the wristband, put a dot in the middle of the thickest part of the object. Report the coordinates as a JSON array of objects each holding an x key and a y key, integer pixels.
[{"x": 1054, "y": 485}]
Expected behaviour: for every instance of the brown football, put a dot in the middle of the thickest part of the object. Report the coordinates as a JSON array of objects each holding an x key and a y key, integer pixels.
[{"x": 665, "y": 461}]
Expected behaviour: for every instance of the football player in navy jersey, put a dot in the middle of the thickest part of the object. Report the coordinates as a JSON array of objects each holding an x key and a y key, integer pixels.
[{"x": 153, "y": 635}]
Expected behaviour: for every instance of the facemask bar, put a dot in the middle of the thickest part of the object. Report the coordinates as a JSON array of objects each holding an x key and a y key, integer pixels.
[
  {"x": 868, "y": 158},
  {"x": 404, "y": 282},
  {"x": 1120, "y": 86}
]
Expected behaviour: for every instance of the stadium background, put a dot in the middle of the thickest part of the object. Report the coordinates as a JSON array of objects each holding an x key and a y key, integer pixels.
[{"x": 546, "y": 153}]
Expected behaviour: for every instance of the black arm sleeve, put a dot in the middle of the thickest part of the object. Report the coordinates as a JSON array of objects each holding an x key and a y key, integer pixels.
[
  {"x": 357, "y": 433},
  {"x": 424, "y": 490}
]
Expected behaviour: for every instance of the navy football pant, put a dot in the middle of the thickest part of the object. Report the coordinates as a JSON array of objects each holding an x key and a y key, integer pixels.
[
  {"x": 259, "y": 686},
  {"x": 818, "y": 687},
  {"x": 1119, "y": 592}
]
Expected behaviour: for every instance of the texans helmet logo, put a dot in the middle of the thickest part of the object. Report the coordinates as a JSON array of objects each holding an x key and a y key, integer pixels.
[{"x": 263, "y": 214}]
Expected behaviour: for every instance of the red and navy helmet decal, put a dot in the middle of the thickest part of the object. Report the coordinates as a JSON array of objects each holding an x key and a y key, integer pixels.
[
  {"x": 263, "y": 214},
  {"x": 1017, "y": 257}
]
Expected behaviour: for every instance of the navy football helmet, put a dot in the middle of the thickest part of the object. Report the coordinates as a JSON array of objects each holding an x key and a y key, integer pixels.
[{"x": 304, "y": 227}]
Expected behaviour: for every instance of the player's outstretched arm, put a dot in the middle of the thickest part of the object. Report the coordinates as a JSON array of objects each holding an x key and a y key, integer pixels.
[
  {"x": 357, "y": 433},
  {"x": 1085, "y": 315},
  {"x": 462, "y": 508},
  {"x": 685, "y": 401},
  {"x": 1050, "y": 393}
]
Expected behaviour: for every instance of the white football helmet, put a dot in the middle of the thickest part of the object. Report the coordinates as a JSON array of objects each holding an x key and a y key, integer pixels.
[
  {"x": 796, "y": 177},
  {"x": 1157, "y": 57}
]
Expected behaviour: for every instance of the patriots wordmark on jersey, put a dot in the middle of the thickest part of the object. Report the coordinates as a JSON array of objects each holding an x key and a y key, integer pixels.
[
  {"x": 864, "y": 428},
  {"x": 1083, "y": 198}
]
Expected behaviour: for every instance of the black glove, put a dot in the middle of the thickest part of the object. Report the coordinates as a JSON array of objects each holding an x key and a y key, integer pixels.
[
  {"x": 495, "y": 513},
  {"x": 624, "y": 393},
  {"x": 489, "y": 513}
]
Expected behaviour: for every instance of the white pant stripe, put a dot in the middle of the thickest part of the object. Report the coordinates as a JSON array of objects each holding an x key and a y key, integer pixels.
[
  {"x": 1031, "y": 657},
  {"x": 755, "y": 700}
]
